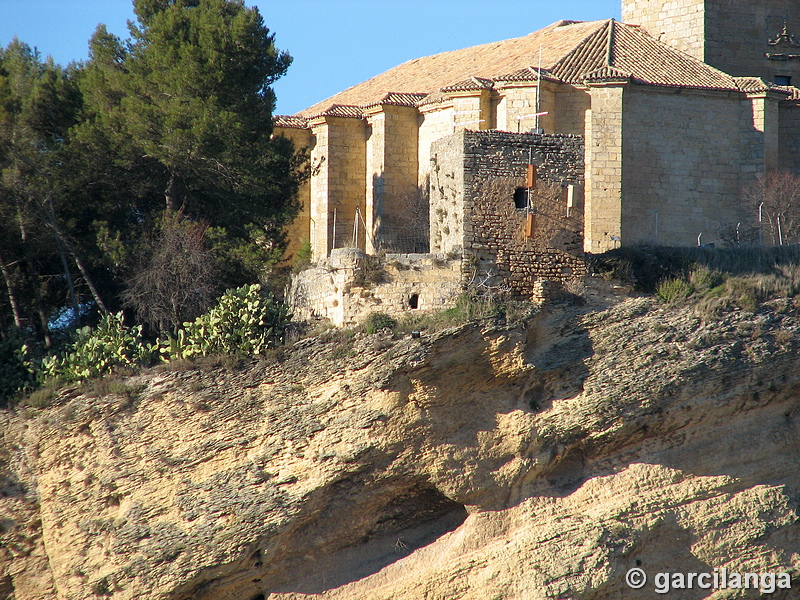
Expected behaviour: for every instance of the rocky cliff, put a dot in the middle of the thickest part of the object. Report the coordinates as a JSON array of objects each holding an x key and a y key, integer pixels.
[{"x": 485, "y": 462}]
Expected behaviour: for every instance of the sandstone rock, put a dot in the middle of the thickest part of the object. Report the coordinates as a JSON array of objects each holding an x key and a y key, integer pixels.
[{"x": 485, "y": 462}]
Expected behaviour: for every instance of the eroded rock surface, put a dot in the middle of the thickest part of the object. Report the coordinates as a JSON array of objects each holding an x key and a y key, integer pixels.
[{"x": 487, "y": 462}]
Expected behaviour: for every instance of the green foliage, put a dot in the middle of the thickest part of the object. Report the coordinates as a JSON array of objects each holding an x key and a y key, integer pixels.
[
  {"x": 673, "y": 290},
  {"x": 245, "y": 320},
  {"x": 377, "y": 321},
  {"x": 647, "y": 267},
  {"x": 98, "y": 351},
  {"x": 191, "y": 93},
  {"x": 371, "y": 272},
  {"x": 302, "y": 259},
  {"x": 17, "y": 369},
  {"x": 703, "y": 279},
  {"x": 714, "y": 293},
  {"x": 468, "y": 307}
]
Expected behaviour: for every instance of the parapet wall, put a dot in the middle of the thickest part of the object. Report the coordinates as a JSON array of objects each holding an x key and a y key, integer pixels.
[{"x": 350, "y": 285}]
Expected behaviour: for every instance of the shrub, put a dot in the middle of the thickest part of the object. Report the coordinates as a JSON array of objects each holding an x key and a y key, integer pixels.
[
  {"x": 302, "y": 259},
  {"x": 371, "y": 272},
  {"x": 98, "y": 351},
  {"x": 245, "y": 320},
  {"x": 41, "y": 398},
  {"x": 673, "y": 290},
  {"x": 377, "y": 321},
  {"x": 17, "y": 371},
  {"x": 703, "y": 279},
  {"x": 647, "y": 267}
]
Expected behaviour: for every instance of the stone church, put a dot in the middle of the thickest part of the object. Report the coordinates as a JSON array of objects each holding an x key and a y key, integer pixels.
[{"x": 674, "y": 112}]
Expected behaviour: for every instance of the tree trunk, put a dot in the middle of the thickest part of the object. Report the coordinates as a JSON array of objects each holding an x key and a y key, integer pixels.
[
  {"x": 68, "y": 276},
  {"x": 169, "y": 194},
  {"x": 87, "y": 278},
  {"x": 12, "y": 296},
  {"x": 62, "y": 243},
  {"x": 37, "y": 278}
]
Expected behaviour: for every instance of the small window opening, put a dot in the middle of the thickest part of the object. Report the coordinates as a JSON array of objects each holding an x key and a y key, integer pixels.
[
  {"x": 783, "y": 80},
  {"x": 413, "y": 301},
  {"x": 521, "y": 197}
]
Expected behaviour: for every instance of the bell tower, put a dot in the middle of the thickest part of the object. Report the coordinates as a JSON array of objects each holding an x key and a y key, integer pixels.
[
  {"x": 745, "y": 38},
  {"x": 679, "y": 23}
]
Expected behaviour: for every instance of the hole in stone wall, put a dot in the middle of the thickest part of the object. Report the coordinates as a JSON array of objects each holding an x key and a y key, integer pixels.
[
  {"x": 413, "y": 301},
  {"x": 521, "y": 197}
]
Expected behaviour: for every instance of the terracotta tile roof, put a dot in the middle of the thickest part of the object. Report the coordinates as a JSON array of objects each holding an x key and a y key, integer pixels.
[
  {"x": 571, "y": 52},
  {"x": 751, "y": 85},
  {"x": 527, "y": 74},
  {"x": 607, "y": 73},
  {"x": 339, "y": 110},
  {"x": 431, "y": 73},
  {"x": 473, "y": 83},
  {"x": 626, "y": 51},
  {"x": 655, "y": 63},
  {"x": 290, "y": 122},
  {"x": 397, "y": 99}
]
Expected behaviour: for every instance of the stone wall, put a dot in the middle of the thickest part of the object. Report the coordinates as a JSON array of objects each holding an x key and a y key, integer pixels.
[
  {"x": 789, "y": 148},
  {"x": 338, "y": 190},
  {"x": 737, "y": 32},
  {"x": 603, "y": 208},
  {"x": 473, "y": 208},
  {"x": 730, "y": 35},
  {"x": 392, "y": 169},
  {"x": 572, "y": 106},
  {"x": 680, "y": 23},
  {"x": 686, "y": 157},
  {"x": 299, "y": 231},
  {"x": 435, "y": 123},
  {"x": 349, "y": 285},
  {"x": 518, "y": 105}
]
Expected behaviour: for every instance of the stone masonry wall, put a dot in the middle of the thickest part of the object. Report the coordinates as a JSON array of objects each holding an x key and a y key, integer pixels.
[
  {"x": 789, "y": 148},
  {"x": 730, "y": 35},
  {"x": 343, "y": 289},
  {"x": 447, "y": 194},
  {"x": 338, "y": 188},
  {"x": 517, "y": 106},
  {"x": 434, "y": 124},
  {"x": 478, "y": 216},
  {"x": 571, "y": 108},
  {"x": 299, "y": 231},
  {"x": 603, "y": 210},
  {"x": 685, "y": 157},
  {"x": 392, "y": 189},
  {"x": 680, "y": 23},
  {"x": 737, "y": 32}
]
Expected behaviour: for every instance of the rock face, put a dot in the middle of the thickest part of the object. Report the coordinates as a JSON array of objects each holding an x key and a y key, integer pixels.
[{"x": 486, "y": 462}]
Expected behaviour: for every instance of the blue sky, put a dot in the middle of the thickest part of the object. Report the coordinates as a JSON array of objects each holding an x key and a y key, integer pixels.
[{"x": 335, "y": 43}]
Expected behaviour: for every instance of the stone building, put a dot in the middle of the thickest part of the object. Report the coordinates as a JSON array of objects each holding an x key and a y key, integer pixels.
[
  {"x": 680, "y": 107},
  {"x": 675, "y": 112}
]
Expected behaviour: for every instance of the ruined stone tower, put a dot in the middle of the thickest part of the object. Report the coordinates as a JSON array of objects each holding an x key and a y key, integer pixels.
[{"x": 758, "y": 38}]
